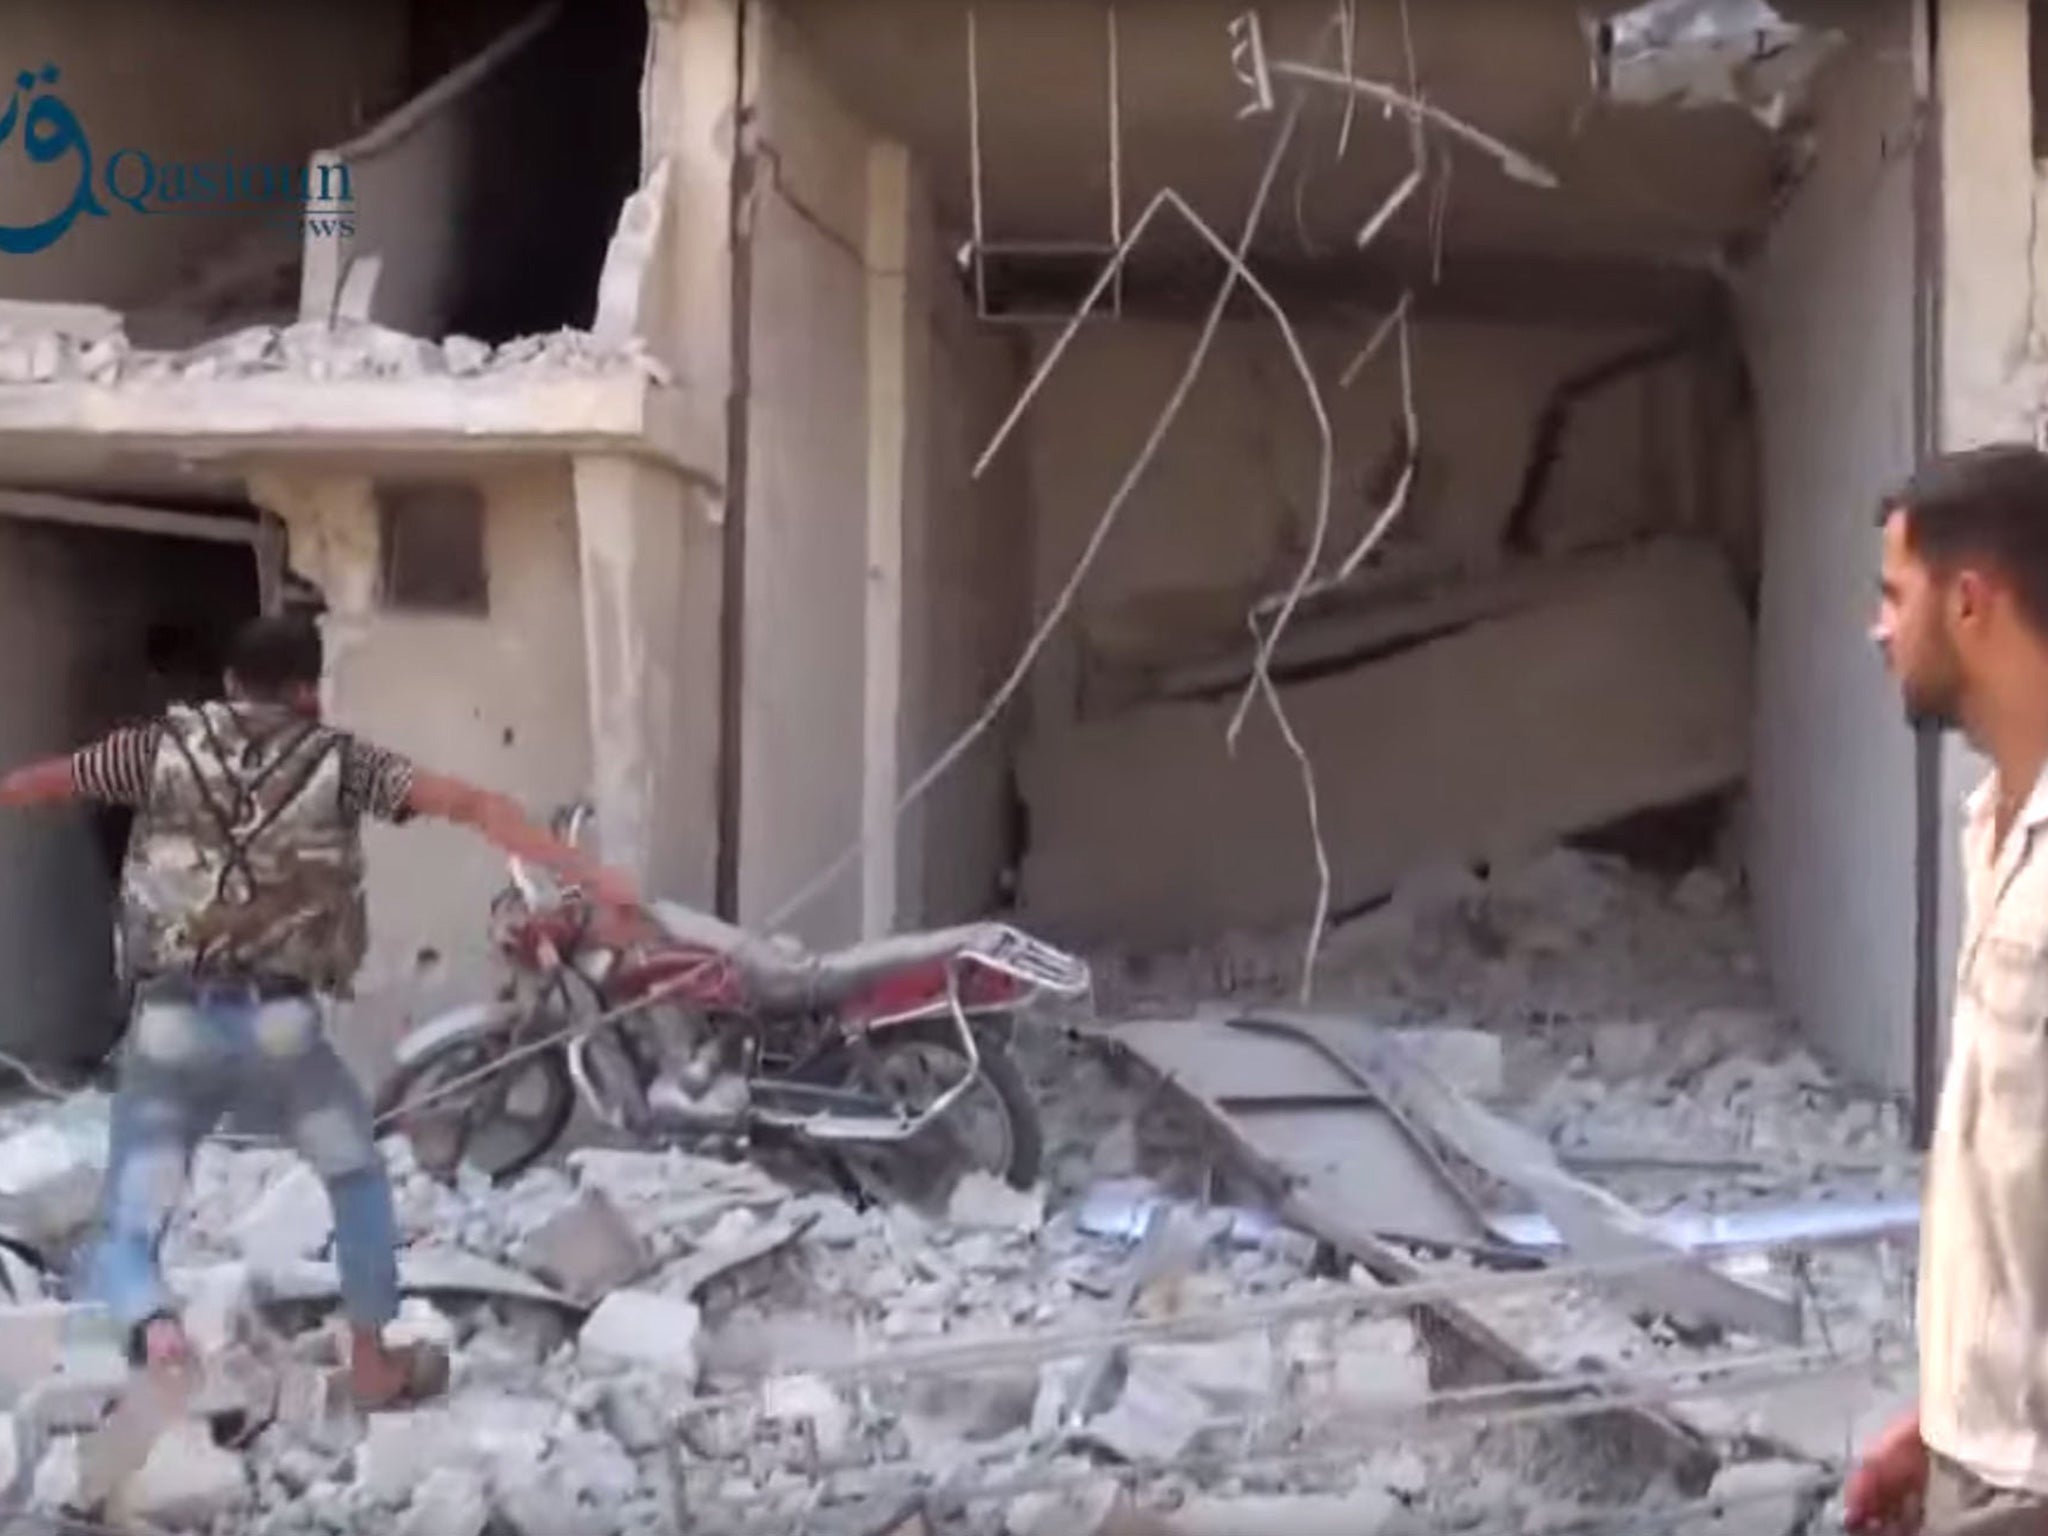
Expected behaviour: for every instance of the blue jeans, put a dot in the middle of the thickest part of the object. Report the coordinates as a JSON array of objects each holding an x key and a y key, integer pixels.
[{"x": 183, "y": 1066}]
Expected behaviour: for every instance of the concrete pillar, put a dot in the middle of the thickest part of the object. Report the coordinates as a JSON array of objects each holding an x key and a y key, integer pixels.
[
  {"x": 651, "y": 582},
  {"x": 331, "y": 539},
  {"x": 888, "y": 251}
]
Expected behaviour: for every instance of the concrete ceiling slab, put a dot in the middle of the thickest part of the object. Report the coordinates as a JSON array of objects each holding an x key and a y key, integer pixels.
[{"x": 1651, "y": 183}]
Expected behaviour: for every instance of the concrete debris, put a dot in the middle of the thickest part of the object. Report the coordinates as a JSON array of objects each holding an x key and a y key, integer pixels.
[
  {"x": 187, "y": 1483},
  {"x": 309, "y": 349},
  {"x": 981, "y": 1200},
  {"x": 588, "y": 1250},
  {"x": 756, "y": 1366},
  {"x": 635, "y": 1328},
  {"x": 291, "y": 1220},
  {"x": 1622, "y": 690},
  {"x": 1082, "y": 1511},
  {"x": 452, "y": 1501},
  {"x": 1697, "y": 53}
]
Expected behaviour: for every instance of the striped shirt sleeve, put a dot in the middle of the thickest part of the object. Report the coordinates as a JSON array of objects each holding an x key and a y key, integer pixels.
[
  {"x": 118, "y": 768},
  {"x": 375, "y": 784}
]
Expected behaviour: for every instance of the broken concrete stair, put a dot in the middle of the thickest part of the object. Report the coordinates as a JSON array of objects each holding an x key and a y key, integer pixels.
[{"x": 1625, "y": 689}]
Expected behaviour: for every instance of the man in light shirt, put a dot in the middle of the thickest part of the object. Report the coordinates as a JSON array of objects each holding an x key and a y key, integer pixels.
[{"x": 1963, "y": 623}]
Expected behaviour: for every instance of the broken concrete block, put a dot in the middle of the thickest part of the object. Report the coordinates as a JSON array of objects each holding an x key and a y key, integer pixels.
[
  {"x": 811, "y": 1402},
  {"x": 1758, "y": 1495},
  {"x": 588, "y": 1250},
  {"x": 313, "y": 1401},
  {"x": 292, "y": 1220},
  {"x": 187, "y": 1483},
  {"x": 1625, "y": 1049},
  {"x": 220, "y": 1301},
  {"x": 21, "y": 1446},
  {"x": 1082, "y": 1510},
  {"x": 32, "y": 1343},
  {"x": 639, "y": 1328},
  {"x": 981, "y": 1200},
  {"x": 451, "y": 1501},
  {"x": 1154, "y": 1419},
  {"x": 1230, "y": 1372},
  {"x": 1362, "y": 1513},
  {"x": 420, "y": 1322},
  {"x": 89, "y": 1377},
  {"x": 57, "y": 1478},
  {"x": 1627, "y": 686},
  {"x": 50, "y": 1174},
  {"x": 1469, "y": 1060},
  {"x": 402, "y": 1450}
]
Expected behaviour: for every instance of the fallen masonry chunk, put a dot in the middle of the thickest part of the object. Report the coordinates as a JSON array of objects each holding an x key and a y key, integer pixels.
[
  {"x": 76, "y": 1396},
  {"x": 450, "y": 1502},
  {"x": 403, "y": 1449},
  {"x": 981, "y": 1200},
  {"x": 811, "y": 1401},
  {"x": 639, "y": 1328},
  {"x": 219, "y": 1302},
  {"x": 1154, "y": 1419},
  {"x": 1083, "y": 1510},
  {"x": 587, "y": 1250},
  {"x": 292, "y": 1219},
  {"x": 32, "y": 1343},
  {"x": 187, "y": 1483},
  {"x": 1363, "y": 1513},
  {"x": 419, "y": 1321},
  {"x": 20, "y": 1446}
]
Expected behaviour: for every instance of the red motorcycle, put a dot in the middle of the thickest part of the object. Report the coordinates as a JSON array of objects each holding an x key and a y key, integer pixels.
[{"x": 888, "y": 1060}]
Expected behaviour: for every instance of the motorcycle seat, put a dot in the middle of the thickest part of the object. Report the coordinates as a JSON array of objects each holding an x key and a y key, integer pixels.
[{"x": 782, "y": 973}]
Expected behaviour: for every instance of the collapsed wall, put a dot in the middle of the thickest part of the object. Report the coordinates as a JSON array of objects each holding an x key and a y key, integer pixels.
[{"x": 1627, "y": 687}]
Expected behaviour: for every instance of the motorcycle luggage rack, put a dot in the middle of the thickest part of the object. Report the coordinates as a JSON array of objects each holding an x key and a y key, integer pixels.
[{"x": 1017, "y": 954}]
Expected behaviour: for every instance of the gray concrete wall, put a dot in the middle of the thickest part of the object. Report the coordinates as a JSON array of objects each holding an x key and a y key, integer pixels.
[
  {"x": 1994, "y": 360},
  {"x": 200, "y": 81},
  {"x": 1828, "y": 317},
  {"x": 1223, "y": 519},
  {"x": 504, "y": 703},
  {"x": 802, "y": 734},
  {"x": 965, "y": 604}
]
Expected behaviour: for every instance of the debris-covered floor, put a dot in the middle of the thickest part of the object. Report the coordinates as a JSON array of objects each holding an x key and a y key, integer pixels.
[{"x": 650, "y": 1341}]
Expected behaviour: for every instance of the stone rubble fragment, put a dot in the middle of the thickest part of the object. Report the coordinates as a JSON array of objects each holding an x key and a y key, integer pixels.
[
  {"x": 312, "y": 349},
  {"x": 588, "y": 1250},
  {"x": 187, "y": 1483},
  {"x": 983, "y": 1201},
  {"x": 638, "y": 1328}
]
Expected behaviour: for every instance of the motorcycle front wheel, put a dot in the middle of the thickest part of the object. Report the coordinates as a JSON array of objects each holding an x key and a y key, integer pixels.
[
  {"x": 993, "y": 1128},
  {"x": 454, "y": 1110}
]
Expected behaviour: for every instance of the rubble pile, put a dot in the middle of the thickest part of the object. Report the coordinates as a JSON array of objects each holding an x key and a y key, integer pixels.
[
  {"x": 652, "y": 1341},
  {"x": 644, "y": 1341},
  {"x": 312, "y": 349}
]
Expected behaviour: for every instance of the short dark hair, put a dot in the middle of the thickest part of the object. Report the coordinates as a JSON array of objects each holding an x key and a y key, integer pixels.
[
  {"x": 1987, "y": 505},
  {"x": 276, "y": 653}
]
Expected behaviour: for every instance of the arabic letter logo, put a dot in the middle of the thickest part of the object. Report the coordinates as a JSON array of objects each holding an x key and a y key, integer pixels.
[{"x": 52, "y": 132}]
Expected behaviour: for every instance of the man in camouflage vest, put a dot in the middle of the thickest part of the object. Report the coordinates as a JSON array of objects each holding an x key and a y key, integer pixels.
[{"x": 242, "y": 917}]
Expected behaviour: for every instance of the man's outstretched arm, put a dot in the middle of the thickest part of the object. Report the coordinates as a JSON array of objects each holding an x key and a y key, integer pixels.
[
  {"x": 500, "y": 820},
  {"x": 113, "y": 771},
  {"x": 50, "y": 782}
]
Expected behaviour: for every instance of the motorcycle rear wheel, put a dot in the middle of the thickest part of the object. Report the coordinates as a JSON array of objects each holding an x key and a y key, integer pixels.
[
  {"x": 445, "y": 1133},
  {"x": 915, "y": 1170}
]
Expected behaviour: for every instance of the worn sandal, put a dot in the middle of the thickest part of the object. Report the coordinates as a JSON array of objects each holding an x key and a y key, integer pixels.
[{"x": 426, "y": 1377}]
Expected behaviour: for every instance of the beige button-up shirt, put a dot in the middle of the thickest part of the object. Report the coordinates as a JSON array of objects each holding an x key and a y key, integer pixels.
[{"x": 1984, "y": 1221}]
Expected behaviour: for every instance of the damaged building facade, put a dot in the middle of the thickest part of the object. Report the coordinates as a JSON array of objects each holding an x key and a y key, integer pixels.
[{"x": 729, "y": 455}]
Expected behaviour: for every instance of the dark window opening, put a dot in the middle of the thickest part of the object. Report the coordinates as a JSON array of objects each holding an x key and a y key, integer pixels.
[
  {"x": 431, "y": 536},
  {"x": 553, "y": 151}
]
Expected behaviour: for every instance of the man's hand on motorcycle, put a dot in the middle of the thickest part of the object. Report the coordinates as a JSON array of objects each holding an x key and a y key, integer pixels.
[{"x": 1886, "y": 1491}]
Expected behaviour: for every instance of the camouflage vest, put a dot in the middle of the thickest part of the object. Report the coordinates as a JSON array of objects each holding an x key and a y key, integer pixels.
[{"x": 245, "y": 860}]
